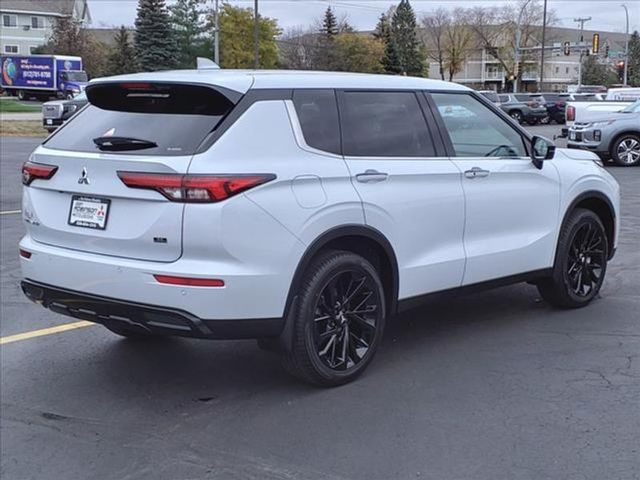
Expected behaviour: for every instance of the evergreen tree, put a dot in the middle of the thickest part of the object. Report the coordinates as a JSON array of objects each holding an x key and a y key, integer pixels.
[
  {"x": 634, "y": 60},
  {"x": 155, "y": 47},
  {"x": 188, "y": 27},
  {"x": 121, "y": 59},
  {"x": 596, "y": 73},
  {"x": 404, "y": 39},
  {"x": 329, "y": 24},
  {"x": 381, "y": 31}
]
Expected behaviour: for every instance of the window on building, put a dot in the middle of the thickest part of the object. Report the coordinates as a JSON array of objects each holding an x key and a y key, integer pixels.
[
  {"x": 557, "y": 69},
  {"x": 566, "y": 70},
  {"x": 10, "y": 49},
  {"x": 37, "y": 23},
  {"x": 384, "y": 124},
  {"x": 31, "y": 49},
  {"x": 10, "y": 21}
]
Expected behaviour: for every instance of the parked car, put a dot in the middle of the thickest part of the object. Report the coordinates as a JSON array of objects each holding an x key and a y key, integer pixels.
[
  {"x": 588, "y": 106},
  {"x": 490, "y": 95},
  {"x": 56, "y": 112},
  {"x": 302, "y": 209},
  {"x": 615, "y": 136},
  {"x": 522, "y": 108}
]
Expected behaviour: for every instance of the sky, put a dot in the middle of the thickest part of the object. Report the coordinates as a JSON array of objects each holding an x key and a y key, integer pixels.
[{"x": 607, "y": 15}]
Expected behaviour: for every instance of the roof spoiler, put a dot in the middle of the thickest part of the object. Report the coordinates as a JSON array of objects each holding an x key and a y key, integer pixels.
[{"x": 206, "y": 64}]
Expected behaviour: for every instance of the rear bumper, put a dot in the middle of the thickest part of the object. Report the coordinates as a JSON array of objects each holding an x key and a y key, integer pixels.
[{"x": 147, "y": 318}]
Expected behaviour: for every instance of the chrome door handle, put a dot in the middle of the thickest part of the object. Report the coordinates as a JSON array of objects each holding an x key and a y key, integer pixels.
[
  {"x": 476, "y": 172},
  {"x": 371, "y": 176}
]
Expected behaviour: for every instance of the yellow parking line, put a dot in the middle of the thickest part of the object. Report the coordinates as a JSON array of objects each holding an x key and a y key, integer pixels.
[
  {"x": 10, "y": 212},
  {"x": 45, "y": 331}
]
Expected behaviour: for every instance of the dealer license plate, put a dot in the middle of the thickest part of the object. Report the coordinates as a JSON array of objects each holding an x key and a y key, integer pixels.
[{"x": 89, "y": 212}]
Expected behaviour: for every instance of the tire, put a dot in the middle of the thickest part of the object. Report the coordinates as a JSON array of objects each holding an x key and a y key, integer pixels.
[
  {"x": 131, "y": 333},
  {"x": 68, "y": 96},
  {"x": 332, "y": 345},
  {"x": 625, "y": 150},
  {"x": 22, "y": 95},
  {"x": 583, "y": 249},
  {"x": 516, "y": 115}
]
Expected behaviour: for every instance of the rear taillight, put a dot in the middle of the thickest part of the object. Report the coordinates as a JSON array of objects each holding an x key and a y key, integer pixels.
[
  {"x": 571, "y": 113},
  {"x": 533, "y": 104},
  {"x": 37, "y": 171},
  {"x": 194, "y": 188},
  {"x": 25, "y": 253},
  {"x": 189, "y": 281}
]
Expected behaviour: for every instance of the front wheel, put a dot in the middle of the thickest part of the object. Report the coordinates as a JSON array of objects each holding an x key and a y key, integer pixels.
[
  {"x": 516, "y": 115},
  {"x": 625, "y": 151},
  {"x": 580, "y": 264},
  {"x": 338, "y": 322}
]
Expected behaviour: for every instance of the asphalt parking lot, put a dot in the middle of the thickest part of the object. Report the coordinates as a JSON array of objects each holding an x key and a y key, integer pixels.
[{"x": 495, "y": 385}]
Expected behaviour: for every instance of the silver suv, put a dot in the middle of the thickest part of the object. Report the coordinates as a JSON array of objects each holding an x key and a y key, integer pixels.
[{"x": 616, "y": 135}]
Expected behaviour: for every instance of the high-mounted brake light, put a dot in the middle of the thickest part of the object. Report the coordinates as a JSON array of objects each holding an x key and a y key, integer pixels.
[
  {"x": 194, "y": 188},
  {"x": 136, "y": 86},
  {"x": 32, "y": 171},
  {"x": 188, "y": 281}
]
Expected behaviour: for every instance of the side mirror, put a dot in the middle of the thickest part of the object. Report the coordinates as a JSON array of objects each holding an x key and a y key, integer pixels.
[{"x": 541, "y": 149}]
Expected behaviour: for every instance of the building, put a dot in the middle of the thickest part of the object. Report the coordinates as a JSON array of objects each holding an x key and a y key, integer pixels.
[
  {"x": 482, "y": 70},
  {"x": 27, "y": 24}
]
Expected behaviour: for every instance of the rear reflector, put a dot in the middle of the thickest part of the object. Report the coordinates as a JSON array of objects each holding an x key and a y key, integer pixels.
[
  {"x": 189, "y": 282},
  {"x": 25, "y": 254},
  {"x": 194, "y": 188},
  {"x": 32, "y": 171}
]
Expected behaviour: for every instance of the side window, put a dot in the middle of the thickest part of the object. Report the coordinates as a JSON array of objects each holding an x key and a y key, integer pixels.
[
  {"x": 318, "y": 115},
  {"x": 503, "y": 98},
  {"x": 475, "y": 130},
  {"x": 384, "y": 124}
]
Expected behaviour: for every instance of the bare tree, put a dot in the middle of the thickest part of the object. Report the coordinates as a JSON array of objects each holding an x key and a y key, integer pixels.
[
  {"x": 299, "y": 49},
  {"x": 459, "y": 42},
  {"x": 435, "y": 27}
]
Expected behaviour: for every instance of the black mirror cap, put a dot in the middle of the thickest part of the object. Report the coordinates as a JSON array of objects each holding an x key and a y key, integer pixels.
[{"x": 541, "y": 149}]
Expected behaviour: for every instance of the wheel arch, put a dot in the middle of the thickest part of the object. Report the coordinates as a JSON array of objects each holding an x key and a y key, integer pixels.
[
  {"x": 362, "y": 240},
  {"x": 613, "y": 141},
  {"x": 601, "y": 205}
]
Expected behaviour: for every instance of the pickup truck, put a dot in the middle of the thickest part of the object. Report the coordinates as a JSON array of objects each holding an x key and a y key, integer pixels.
[{"x": 582, "y": 112}]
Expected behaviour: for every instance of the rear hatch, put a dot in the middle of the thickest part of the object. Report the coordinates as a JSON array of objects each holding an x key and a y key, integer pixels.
[{"x": 149, "y": 128}]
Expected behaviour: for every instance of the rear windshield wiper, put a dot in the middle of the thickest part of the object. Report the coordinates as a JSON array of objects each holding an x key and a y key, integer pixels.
[{"x": 116, "y": 144}]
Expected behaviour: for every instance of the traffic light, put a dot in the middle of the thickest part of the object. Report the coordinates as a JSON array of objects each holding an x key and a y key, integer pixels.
[
  {"x": 606, "y": 51},
  {"x": 595, "y": 43},
  {"x": 620, "y": 66},
  {"x": 567, "y": 48}
]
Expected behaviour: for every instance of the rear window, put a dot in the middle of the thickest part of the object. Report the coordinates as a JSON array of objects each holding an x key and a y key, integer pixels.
[
  {"x": 384, "y": 124},
  {"x": 503, "y": 98},
  {"x": 176, "y": 118},
  {"x": 318, "y": 115},
  {"x": 491, "y": 96}
]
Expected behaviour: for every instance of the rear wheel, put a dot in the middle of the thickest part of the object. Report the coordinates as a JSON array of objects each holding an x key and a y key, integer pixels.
[
  {"x": 516, "y": 115},
  {"x": 580, "y": 264},
  {"x": 22, "y": 95},
  {"x": 625, "y": 150},
  {"x": 338, "y": 322}
]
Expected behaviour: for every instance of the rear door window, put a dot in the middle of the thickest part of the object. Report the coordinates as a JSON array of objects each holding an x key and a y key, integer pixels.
[
  {"x": 318, "y": 116},
  {"x": 384, "y": 124},
  {"x": 170, "y": 119}
]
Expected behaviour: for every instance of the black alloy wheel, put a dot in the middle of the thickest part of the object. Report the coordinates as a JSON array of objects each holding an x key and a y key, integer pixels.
[
  {"x": 338, "y": 321},
  {"x": 580, "y": 263}
]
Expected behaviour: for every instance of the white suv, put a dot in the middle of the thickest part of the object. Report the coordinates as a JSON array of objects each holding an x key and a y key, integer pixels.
[{"x": 303, "y": 209}]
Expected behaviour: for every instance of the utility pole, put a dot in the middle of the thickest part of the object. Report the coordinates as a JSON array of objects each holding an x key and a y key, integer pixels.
[
  {"x": 581, "y": 21},
  {"x": 216, "y": 38},
  {"x": 626, "y": 47},
  {"x": 544, "y": 34},
  {"x": 256, "y": 36}
]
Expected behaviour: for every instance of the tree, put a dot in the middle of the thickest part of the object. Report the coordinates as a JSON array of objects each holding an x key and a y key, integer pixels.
[
  {"x": 155, "y": 47},
  {"x": 634, "y": 60},
  {"x": 381, "y": 32},
  {"x": 121, "y": 59},
  {"x": 359, "y": 53},
  {"x": 236, "y": 38},
  {"x": 435, "y": 28},
  {"x": 595, "y": 73},
  {"x": 189, "y": 27},
  {"x": 69, "y": 38},
  {"x": 404, "y": 40},
  {"x": 329, "y": 24},
  {"x": 458, "y": 42}
]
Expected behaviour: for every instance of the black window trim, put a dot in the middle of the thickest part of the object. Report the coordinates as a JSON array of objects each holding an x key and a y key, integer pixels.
[
  {"x": 438, "y": 147},
  {"x": 526, "y": 136}
]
